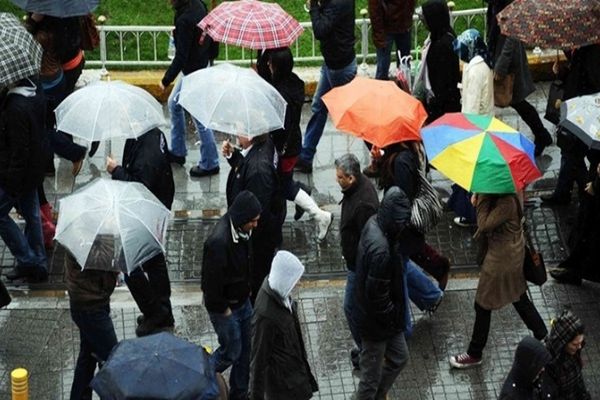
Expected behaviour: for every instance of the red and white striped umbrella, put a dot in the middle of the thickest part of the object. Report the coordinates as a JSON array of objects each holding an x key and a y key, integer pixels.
[{"x": 251, "y": 24}]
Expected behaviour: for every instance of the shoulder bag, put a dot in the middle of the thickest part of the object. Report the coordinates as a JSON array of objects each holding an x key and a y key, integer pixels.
[
  {"x": 534, "y": 267},
  {"x": 426, "y": 209},
  {"x": 503, "y": 90}
]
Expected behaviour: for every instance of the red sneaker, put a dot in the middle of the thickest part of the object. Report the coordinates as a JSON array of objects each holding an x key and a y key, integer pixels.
[{"x": 464, "y": 360}]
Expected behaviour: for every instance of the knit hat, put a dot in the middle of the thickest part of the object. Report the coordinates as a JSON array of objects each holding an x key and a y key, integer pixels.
[{"x": 245, "y": 207}]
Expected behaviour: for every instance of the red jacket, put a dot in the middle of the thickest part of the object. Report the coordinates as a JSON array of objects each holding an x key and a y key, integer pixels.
[{"x": 390, "y": 16}]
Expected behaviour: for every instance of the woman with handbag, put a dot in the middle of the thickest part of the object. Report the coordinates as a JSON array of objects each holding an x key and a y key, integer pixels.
[{"x": 501, "y": 279}]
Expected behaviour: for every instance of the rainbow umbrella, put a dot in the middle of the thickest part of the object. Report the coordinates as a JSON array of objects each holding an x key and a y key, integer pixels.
[{"x": 480, "y": 153}]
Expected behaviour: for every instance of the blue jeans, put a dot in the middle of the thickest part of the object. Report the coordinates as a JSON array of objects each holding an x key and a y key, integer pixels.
[
  {"x": 402, "y": 42},
  {"x": 234, "y": 333},
  {"x": 421, "y": 290},
  {"x": 350, "y": 309},
  {"x": 329, "y": 79},
  {"x": 28, "y": 247},
  {"x": 97, "y": 337},
  {"x": 209, "y": 158}
]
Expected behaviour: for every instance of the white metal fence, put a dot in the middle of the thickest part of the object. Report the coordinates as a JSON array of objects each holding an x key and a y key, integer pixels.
[{"x": 146, "y": 46}]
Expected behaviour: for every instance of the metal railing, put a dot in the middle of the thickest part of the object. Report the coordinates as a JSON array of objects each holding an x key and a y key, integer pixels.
[{"x": 146, "y": 46}]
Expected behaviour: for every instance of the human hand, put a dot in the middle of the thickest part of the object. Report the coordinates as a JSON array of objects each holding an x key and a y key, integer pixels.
[
  {"x": 589, "y": 189},
  {"x": 497, "y": 76},
  {"x": 111, "y": 164},
  {"x": 555, "y": 69},
  {"x": 227, "y": 148},
  {"x": 227, "y": 312},
  {"x": 474, "y": 199},
  {"x": 161, "y": 86},
  {"x": 375, "y": 152}
]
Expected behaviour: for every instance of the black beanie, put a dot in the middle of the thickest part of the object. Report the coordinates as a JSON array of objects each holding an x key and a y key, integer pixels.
[{"x": 245, "y": 207}]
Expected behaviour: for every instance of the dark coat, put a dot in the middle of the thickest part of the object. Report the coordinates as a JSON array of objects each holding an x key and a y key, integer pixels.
[
  {"x": 226, "y": 267},
  {"x": 510, "y": 58},
  {"x": 530, "y": 358},
  {"x": 582, "y": 76},
  {"x": 333, "y": 27},
  {"x": 390, "y": 16},
  {"x": 279, "y": 365},
  {"x": 380, "y": 270},
  {"x": 442, "y": 62},
  {"x": 145, "y": 160},
  {"x": 288, "y": 141},
  {"x": 190, "y": 55},
  {"x": 359, "y": 203},
  {"x": 23, "y": 142}
]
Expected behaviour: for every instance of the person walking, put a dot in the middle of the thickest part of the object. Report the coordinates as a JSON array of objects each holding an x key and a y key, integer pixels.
[
  {"x": 523, "y": 380},
  {"x": 501, "y": 280},
  {"x": 190, "y": 56},
  {"x": 23, "y": 147},
  {"x": 279, "y": 365},
  {"x": 391, "y": 23},
  {"x": 510, "y": 57},
  {"x": 359, "y": 203},
  {"x": 145, "y": 160},
  {"x": 333, "y": 26},
  {"x": 227, "y": 263},
  {"x": 90, "y": 288},
  {"x": 380, "y": 297}
]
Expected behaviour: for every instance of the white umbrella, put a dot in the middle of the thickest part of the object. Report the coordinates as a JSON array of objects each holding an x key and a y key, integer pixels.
[
  {"x": 126, "y": 210},
  {"x": 233, "y": 100},
  {"x": 581, "y": 116},
  {"x": 106, "y": 110}
]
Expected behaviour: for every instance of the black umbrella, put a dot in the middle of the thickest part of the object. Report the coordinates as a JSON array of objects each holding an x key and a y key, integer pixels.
[
  {"x": 58, "y": 8},
  {"x": 159, "y": 366},
  {"x": 20, "y": 54}
]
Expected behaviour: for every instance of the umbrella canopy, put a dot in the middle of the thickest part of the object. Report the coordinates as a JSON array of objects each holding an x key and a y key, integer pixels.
[
  {"x": 106, "y": 110},
  {"x": 480, "y": 153},
  {"x": 159, "y": 366},
  {"x": 20, "y": 53},
  {"x": 251, "y": 24},
  {"x": 233, "y": 100},
  {"x": 552, "y": 23},
  {"x": 126, "y": 210},
  {"x": 581, "y": 116},
  {"x": 58, "y": 8},
  {"x": 376, "y": 111}
]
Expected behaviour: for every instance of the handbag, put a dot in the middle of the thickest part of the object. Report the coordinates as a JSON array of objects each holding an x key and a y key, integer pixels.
[
  {"x": 503, "y": 90},
  {"x": 426, "y": 209},
  {"x": 90, "y": 39},
  {"x": 534, "y": 267},
  {"x": 555, "y": 95}
]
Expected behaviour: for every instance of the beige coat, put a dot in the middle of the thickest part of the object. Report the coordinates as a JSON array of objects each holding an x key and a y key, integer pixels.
[
  {"x": 477, "y": 88},
  {"x": 501, "y": 280}
]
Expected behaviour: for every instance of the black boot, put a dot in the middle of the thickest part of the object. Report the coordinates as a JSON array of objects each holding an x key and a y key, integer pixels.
[
  {"x": 158, "y": 276},
  {"x": 299, "y": 210},
  {"x": 4, "y": 296},
  {"x": 156, "y": 317}
]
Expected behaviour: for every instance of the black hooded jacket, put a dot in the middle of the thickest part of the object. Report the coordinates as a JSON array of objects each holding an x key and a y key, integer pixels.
[
  {"x": 333, "y": 26},
  {"x": 288, "y": 141},
  {"x": 531, "y": 356},
  {"x": 145, "y": 160},
  {"x": 380, "y": 269}
]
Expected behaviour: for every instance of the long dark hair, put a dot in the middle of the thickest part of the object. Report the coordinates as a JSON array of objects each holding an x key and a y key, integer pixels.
[
  {"x": 386, "y": 162},
  {"x": 282, "y": 63}
]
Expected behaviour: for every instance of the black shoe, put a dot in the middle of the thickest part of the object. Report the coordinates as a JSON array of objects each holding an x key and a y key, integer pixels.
[
  {"x": 176, "y": 159},
  {"x": 198, "y": 172},
  {"x": 552, "y": 200},
  {"x": 94, "y": 148},
  {"x": 299, "y": 210},
  {"x": 355, "y": 358},
  {"x": 4, "y": 296},
  {"x": 140, "y": 319},
  {"x": 155, "y": 324},
  {"x": 304, "y": 167},
  {"x": 566, "y": 276},
  {"x": 29, "y": 274}
]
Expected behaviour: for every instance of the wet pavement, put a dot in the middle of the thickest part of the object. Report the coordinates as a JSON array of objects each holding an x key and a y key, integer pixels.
[{"x": 37, "y": 333}]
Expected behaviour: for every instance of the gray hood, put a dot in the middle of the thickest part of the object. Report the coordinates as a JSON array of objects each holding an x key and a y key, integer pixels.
[{"x": 286, "y": 271}]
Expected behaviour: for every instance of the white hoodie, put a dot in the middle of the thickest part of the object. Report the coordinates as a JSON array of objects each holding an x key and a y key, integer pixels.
[{"x": 286, "y": 271}]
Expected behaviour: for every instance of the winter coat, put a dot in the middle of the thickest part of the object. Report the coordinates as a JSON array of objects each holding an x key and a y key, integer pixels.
[
  {"x": 145, "y": 160},
  {"x": 333, "y": 27},
  {"x": 190, "y": 55},
  {"x": 477, "y": 88},
  {"x": 442, "y": 62},
  {"x": 582, "y": 77},
  {"x": 359, "y": 203},
  {"x": 390, "y": 16},
  {"x": 501, "y": 278},
  {"x": 380, "y": 270},
  {"x": 288, "y": 141},
  {"x": 278, "y": 362},
  {"x": 92, "y": 287},
  {"x": 510, "y": 58},
  {"x": 226, "y": 265},
  {"x": 23, "y": 141},
  {"x": 531, "y": 356},
  {"x": 565, "y": 369}
]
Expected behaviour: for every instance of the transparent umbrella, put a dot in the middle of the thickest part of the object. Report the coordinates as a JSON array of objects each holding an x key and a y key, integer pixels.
[
  {"x": 126, "y": 210},
  {"x": 233, "y": 100},
  {"x": 106, "y": 110}
]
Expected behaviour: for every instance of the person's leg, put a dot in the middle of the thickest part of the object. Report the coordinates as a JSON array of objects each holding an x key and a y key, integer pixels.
[
  {"x": 209, "y": 157},
  {"x": 384, "y": 59},
  {"x": 529, "y": 114},
  {"x": 481, "y": 331},
  {"x": 156, "y": 316},
  {"x": 572, "y": 169},
  {"x": 371, "y": 368},
  {"x": 11, "y": 234},
  {"x": 422, "y": 291},
  {"x": 85, "y": 367},
  {"x": 177, "y": 114},
  {"x": 531, "y": 317},
  {"x": 403, "y": 43},
  {"x": 433, "y": 263},
  {"x": 350, "y": 309},
  {"x": 240, "y": 371},
  {"x": 158, "y": 277},
  {"x": 230, "y": 341},
  {"x": 395, "y": 359},
  {"x": 29, "y": 207}
]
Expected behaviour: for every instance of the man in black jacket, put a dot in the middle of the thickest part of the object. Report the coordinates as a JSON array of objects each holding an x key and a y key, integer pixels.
[
  {"x": 381, "y": 298},
  {"x": 23, "y": 147},
  {"x": 145, "y": 160},
  {"x": 190, "y": 56},
  {"x": 359, "y": 203},
  {"x": 226, "y": 265},
  {"x": 333, "y": 26}
]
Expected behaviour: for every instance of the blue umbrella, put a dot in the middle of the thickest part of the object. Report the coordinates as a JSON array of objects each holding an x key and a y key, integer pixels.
[
  {"x": 159, "y": 366},
  {"x": 58, "y": 8}
]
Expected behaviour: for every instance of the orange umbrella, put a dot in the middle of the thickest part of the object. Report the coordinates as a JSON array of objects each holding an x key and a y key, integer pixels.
[{"x": 376, "y": 111}]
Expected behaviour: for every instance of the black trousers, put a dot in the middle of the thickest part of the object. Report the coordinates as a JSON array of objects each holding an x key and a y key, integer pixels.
[
  {"x": 483, "y": 317},
  {"x": 529, "y": 114}
]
